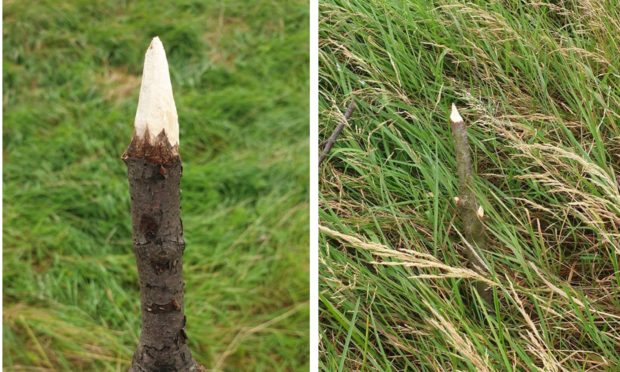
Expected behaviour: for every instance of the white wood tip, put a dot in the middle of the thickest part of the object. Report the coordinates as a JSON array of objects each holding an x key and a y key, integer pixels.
[
  {"x": 480, "y": 212},
  {"x": 156, "y": 108},
  {"x": 455, "y": 117}
]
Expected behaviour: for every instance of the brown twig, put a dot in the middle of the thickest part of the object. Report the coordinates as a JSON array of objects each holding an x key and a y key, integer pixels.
[
  {"x": 332, "y": 139},
  {"x": 470, "y": 212}
]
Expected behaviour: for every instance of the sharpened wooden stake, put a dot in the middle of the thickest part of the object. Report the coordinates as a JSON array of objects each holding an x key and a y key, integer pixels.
[
  {"x": 469, "y": 210},
  {"x": 154, "y": 172}
]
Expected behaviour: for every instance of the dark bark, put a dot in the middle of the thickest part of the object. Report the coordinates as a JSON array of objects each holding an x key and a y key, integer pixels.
[
  {"x": 332, "y": 139},
  {"x": 154, "y": 171},
  {"x": 473, "y": 228}
]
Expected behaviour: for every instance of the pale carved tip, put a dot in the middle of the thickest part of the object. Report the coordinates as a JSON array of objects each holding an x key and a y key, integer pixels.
[
  {"x": 455, "y": 117},
  {"x": 157, "y": 111},
  {"x": 156, "y": 41}
]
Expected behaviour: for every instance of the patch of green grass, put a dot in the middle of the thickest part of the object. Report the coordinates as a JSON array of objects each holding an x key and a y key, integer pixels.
[
  {"x": 71, "y": 81},
  {"x": 539, "y": 86}
]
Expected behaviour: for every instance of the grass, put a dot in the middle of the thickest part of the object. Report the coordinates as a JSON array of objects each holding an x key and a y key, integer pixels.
[
  {"x": 539, "y": 86},
  {"x": 71, "y": 80}
]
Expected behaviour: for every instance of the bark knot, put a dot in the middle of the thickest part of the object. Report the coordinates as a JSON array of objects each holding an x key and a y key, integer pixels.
[{"x": 149, "y": 227}]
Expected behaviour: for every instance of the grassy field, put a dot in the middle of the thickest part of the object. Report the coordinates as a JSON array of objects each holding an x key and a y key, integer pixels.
[
  {"x": 539, "y": 86},
  {"x": 71, "y": 80}
]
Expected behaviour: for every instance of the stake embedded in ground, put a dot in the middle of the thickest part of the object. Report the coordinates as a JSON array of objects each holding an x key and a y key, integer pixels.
[
  {"x": 469, "y": 211},
  {"x": 154, "y": 172}
]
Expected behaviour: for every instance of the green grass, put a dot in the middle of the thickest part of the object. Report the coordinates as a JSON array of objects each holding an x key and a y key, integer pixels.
[
  {"x": 71, "y": 80},
  {"x": 539, "y": 86}
]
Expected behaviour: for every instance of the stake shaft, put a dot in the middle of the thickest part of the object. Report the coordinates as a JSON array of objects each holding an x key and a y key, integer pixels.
[{"x": 158, "y": 246}]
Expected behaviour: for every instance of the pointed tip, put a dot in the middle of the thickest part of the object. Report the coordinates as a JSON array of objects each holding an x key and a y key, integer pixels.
[
  {"x": 455, "y": 117},
  {"x": 156, "y": 43},
  {"x": 156, "y": 108},
  {"x": 156, "y": 53}
]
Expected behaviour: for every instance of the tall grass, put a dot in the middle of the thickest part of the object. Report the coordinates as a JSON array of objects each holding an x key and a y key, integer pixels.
[
  {"x": 539, "y": 86},
  {"x": 71, "y": 80}
]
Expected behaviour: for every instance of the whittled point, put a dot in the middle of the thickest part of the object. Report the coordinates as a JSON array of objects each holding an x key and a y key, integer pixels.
[
  {"x": 480, "y": 212},
  {"x": 156, "y": 109},
  {"x": 455, "y": 117}
]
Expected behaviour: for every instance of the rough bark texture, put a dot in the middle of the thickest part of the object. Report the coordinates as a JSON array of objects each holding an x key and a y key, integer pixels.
[
  {"x": 473, "y": 228},
  {"x": 154, "y": 171}
]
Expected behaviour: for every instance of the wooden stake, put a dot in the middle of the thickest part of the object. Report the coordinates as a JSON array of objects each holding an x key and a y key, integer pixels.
[
  {"x": 470, "y": 212},
  {"x": 154, "y": 172}
]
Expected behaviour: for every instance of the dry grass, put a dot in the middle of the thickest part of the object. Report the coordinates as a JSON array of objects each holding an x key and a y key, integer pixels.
[{"x": 540, "y": 90}]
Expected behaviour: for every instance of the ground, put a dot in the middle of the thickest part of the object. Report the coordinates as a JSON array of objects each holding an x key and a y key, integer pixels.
[
  {"x": 71, "y": 81},
  {"x": 538, "y": 86}
]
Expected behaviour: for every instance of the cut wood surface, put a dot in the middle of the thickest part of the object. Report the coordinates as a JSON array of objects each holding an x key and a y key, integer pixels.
[{"x": 156, "y": 109}]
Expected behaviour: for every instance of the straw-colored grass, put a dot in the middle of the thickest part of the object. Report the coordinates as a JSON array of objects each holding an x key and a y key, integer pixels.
[{"x": 538, "y": 85}]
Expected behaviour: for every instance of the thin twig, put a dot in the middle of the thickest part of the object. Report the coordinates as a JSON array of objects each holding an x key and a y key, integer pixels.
[{"x": 332, "y": 139}]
